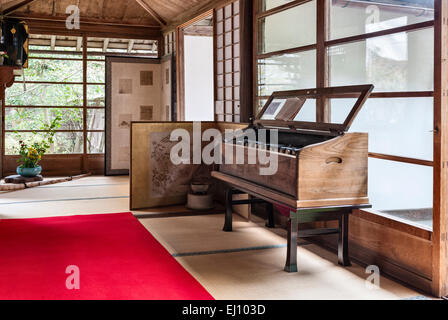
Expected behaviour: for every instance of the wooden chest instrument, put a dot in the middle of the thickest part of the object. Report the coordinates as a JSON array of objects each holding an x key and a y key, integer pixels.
[{"x": 319, "y": 163}]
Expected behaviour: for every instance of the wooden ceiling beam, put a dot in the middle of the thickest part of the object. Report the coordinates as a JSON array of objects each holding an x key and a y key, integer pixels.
[
  {"x": 192, "y": 13},
  {"x": 154, "y": 14},
  {"x": 54, "y": 27},
  {"x": 17, "y": 6},
  {"x": 83, "y": 20},
  {"x": 200, "y": 31}
]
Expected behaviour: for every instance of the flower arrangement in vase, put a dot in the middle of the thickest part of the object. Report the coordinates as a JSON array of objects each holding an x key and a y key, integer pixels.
[{"x": 32, "y": 154}]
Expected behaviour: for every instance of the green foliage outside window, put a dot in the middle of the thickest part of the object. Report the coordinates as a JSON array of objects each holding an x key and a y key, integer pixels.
[{"x": 63, "y": 93}]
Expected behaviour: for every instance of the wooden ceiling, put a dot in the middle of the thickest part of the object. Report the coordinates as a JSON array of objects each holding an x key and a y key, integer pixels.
[{"x": 156, "y": 13}]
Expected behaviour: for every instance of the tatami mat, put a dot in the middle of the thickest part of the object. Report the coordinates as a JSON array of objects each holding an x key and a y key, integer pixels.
[
  {"x": 248, "y": 262},
  {"x": 62, "y": 192},
  {"x": 197, "y": 234},
  {"x": 91, "y": 195},
  {"x": 259, "y": 275},
  {"x": 244, "y": 264}
]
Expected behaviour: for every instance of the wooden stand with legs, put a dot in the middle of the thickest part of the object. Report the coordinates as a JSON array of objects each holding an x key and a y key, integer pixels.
[{"x": 300, "y": 216}]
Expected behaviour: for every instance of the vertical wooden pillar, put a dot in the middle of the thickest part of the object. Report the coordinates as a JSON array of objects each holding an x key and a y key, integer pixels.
[
  {"x": 439, "y": 241},
  {"x": 255, "y": 46},
  {"x": 322, "y": 105},
  {"x": 215, "y": 66},
  {"x": 160, "y": 47},
  {"x": 246, "y": 60},
  {"x": 2, "y": 101},
  {"x": 6, "y": 81},
  {"x": 180, "y": 74},
  {"x": 84, "y": 90}
]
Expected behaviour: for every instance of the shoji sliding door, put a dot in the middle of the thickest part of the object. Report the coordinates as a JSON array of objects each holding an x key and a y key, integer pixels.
[{"x": 227, "y": 63}]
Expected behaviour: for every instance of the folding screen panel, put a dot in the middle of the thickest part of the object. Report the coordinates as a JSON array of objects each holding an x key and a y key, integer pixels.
[
  {"x": 155, "y": 180},
  {"x": 133, "y": 94}
]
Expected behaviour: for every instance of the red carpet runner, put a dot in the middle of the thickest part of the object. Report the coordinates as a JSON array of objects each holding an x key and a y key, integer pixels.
[{"x": 117, "y": 259}]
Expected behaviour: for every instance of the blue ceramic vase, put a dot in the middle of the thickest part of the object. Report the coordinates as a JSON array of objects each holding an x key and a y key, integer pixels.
[{"x": 29, "y": 172}]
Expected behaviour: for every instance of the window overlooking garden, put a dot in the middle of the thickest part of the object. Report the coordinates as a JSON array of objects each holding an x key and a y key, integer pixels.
[{"x": 54, "y": 85}]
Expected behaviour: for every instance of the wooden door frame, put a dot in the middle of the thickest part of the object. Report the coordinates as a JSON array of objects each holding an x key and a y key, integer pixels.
[
  {"x": 180, "y": 60},
  {"x": 440, "y": 214}
]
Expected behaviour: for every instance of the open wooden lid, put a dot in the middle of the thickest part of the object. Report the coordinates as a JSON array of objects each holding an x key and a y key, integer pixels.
[{"x": 298, "y": 109}]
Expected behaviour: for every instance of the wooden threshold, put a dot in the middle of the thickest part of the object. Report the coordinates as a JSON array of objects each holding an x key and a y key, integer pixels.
[{"x": 397, "y": 224}]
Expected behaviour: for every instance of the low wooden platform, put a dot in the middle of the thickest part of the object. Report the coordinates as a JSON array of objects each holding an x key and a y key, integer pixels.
[
  {"x": 16, "y": 179},
  {"x": 15, "y": 183}
]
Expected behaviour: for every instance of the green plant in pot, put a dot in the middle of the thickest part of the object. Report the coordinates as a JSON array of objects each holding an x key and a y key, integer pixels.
[
  {"x": 3, "y": 56},
  {"x": 32, "y": 153}
]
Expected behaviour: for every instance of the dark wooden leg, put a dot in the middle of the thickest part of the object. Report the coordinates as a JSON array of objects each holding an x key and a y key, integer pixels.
[
  {"x": 270, "y": 212},
  {"x": 291, "y": 260},
  {"x": 229, "y": 210},
  {"x": 343, "y": 256}
]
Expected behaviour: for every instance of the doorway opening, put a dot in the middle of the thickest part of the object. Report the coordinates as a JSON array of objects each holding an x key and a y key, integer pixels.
[{"x": 196, "y": 100}]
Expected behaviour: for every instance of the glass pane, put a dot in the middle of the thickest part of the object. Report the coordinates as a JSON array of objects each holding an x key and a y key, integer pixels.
[
  {"x": 287, "y": 72},
  {"x": 96, "y": 72},
  {"x": 65, "y": 48},
  {"x": 273, "y": 109},
  {"x": 228, "y": 11},
  {"x": 308, "y": 112},
  {"x": 219, "y": 14},
  {"x": 260, "y": 105},
  {"x": 96, "y": 96},
  {"x": 397, "y": 126},
  {"x": 45, "y": 95},
  {"x": 236, "y": 7},
  {"x": 399, "y": 186},
  {"x": 340, "y": 108},
  {"x": 286, "y": 110},
  {"x": 95, "y": 119},
  {"x": 53, "y": 71},
  {"x": 363, "y": 17},
  {"x": 397, "y": 62},
  {"x": 289, "y": 109},
  {"x": 36, "y": 118},
  {"x": 287, "y": 29},
  {"x": 95, "y": 142},
  {"x": 47, "y": 46},
  {"x": 65, "y": 142},
  {"x": 269, "y": 4},
  {"x": 96, "y": 57}
]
